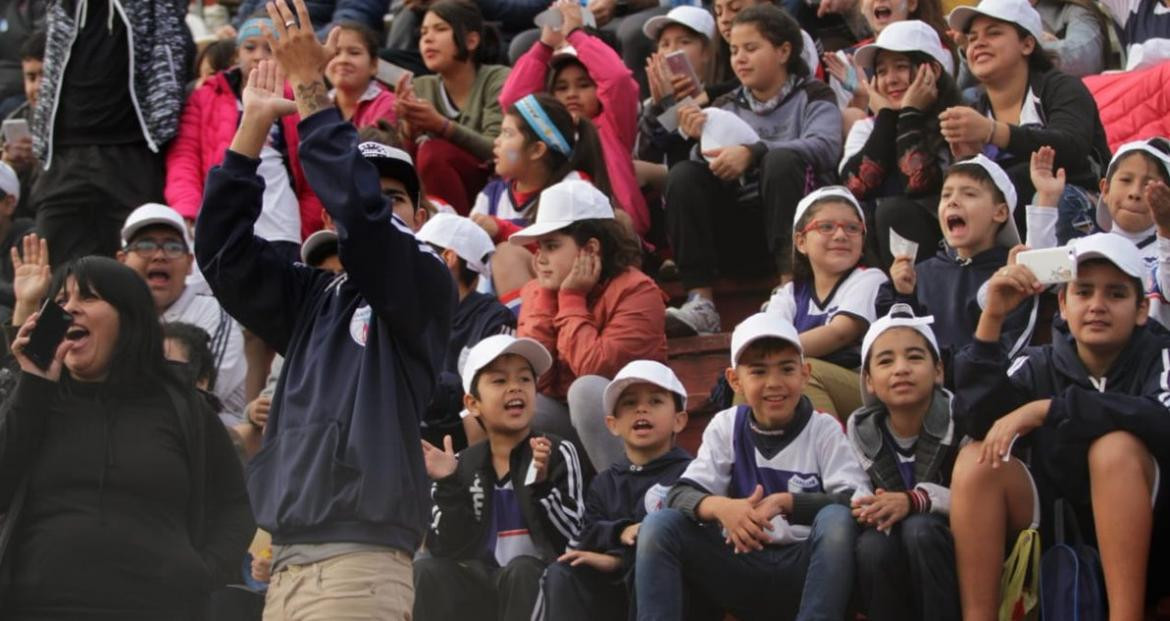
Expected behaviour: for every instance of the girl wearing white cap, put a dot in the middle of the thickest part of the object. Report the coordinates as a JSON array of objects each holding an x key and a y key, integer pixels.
[
  {"x": 906, "y": 440},
  {"x": 897, "y": 157},
  {"x": 593, "y": 83},
  {"x": 1024, "y": 104},
  {"x": 831, "y": 297},
  {"x": 1083, "y": 420}
]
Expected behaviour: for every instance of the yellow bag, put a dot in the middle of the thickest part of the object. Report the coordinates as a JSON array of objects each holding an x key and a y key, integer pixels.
[{"x": 1020, "y": 583}]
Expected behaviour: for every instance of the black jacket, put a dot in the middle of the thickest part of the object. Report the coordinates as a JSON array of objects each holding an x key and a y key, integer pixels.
[
  {"x": 617, "y": 499},
  {"x": 1133, "y": 397},
  {"x": 121, "y": 504},
  {"x": 462, "y": 515}
]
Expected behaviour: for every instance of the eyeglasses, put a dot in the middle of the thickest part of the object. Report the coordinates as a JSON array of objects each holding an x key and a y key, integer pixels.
[
  {"x": 171, "y": 249},
  {"x": 828, "y": 227}
]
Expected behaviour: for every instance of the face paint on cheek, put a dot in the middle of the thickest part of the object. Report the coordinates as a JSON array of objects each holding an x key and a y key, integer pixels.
[{"x": 512, "y": 155}]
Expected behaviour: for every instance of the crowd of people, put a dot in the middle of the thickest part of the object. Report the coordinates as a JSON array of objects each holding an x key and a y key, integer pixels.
[{"x": 364, "y": 310}]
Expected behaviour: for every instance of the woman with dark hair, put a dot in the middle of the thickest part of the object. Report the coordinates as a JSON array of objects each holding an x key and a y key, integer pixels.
[
  {"x": 1024, "y": 104},
  {"x": 125, "y": 495},
  {"x": 896, "y": 158},
  {"x": 360, "y": 98},
  {"x": 449, "y": 119}
]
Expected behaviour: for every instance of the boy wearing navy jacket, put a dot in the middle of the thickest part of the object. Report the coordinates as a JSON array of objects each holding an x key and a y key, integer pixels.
[
  {"x": 505, "y": 507},
  {"x": 1090, "y": 415},
  {"x": 465, "y": 248},
  {"x": 645, "y": 405},
  {"x": 975, "y": 213},
  {"x": 778, "y": 477},
  {"x": 340, "y": 481}
]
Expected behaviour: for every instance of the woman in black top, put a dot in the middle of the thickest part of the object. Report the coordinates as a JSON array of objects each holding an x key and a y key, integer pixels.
[{"x": 134, "y": 505}]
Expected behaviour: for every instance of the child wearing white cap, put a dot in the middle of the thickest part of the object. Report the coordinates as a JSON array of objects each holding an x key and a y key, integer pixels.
[
  {"x": 466, "y": 249},
  {"x": 975, "y": 214},
  {"x": 591, "y": 307},
  {"x": 897, "y": 157},
  {"x": 831, "y": 297},
  {"x": 778, "y": 477},
  {"x": 1134, "y": 204},
  {"x": 1089, "y": 414},
  {"x": 645, "y": 406},
  {"x": 797, "y": 129},
  {"x": 1024, "y": 104},
  {"x": 503, "y": 508},
  {"x": 906, "y": 439}
]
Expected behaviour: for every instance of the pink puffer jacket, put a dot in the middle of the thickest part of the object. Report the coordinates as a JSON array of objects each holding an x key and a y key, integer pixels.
[{"x": 1134, "y": 105}]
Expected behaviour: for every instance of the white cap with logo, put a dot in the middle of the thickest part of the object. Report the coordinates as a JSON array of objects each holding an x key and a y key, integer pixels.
[
  {"x": 761, "y": 326},
  {"x": 639, "y": 372},
  {"x": 493, "y": 347},
  {"x": 460, "y": 234},
  {"x": 562, "y": 204},
  {"x": 154, "y": 214}
]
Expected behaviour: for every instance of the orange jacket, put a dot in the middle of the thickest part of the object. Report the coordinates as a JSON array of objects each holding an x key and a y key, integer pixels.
[{"x": 597, "y": 334}]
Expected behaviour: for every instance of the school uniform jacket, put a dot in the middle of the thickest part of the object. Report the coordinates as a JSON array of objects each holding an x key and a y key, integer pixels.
[
  {"x": 462, "y": 515},
  {"x": 342, "y": 455},
  {"x": 623, "y": 495},
  {"x": 1133, "y": 396},
  {"x": 934, "y": 452}
]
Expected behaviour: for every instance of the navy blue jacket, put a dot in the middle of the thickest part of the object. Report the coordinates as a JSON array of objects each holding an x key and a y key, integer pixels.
[
  {"x": 1133, "y": 397},
  {"x": 477, "y": 317},
  {"x": 617, "y": 499},
  {"x": 327, "y": 13},
  {"x": 341, "y": 459}
]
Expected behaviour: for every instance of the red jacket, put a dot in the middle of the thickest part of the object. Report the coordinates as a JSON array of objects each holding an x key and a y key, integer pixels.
[
  {"x": 376, "y": 104},
  {"x": 618, "y": 322},
  {"x": 206, "y": 129},
  {"x": 617, "y": 123},
  {"x": 1134, "y": 105}
]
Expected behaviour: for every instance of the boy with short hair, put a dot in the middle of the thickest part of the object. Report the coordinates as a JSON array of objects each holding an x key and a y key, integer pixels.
[
  {"x": 1090, "y": 414},
  {"x": 504, "y": 508},
  {"x": 975, "y": 213},
  {"x": 645, "y": 406},
  {"x": 778, "y": 477},
  {"x": 465, "y": 248}
]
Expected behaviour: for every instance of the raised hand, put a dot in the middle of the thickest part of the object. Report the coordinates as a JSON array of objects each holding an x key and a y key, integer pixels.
[
  {"x": 922, "y": 90},
  {"x": 53, "y": 373},
  {"x": 903, "y": 276},
  {"x": 296, "y": 47},
  {"x": 31, "y": 276},
  {"x": 440, "y": 463},
  {"x": 573, "y": 19},
  {"x": 1010, "y": 286},
  {"x": 1157, "y": 195},
  {"x": 1049, "y": 185},
  {"x": 585, "y": 273},
  {"x": 541, "y": 451},
  {"x": 264, "y": 94}
]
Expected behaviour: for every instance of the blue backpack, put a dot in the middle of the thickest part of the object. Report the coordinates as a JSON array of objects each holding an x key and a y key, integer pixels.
[{"x": 1071, "y": 584}]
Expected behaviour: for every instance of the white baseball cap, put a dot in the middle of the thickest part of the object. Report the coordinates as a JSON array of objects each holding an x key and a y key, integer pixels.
[
  {"x": 562, "y": 204},
  {"x": 460, "y": 234},
  {"x": 1009, "y": 235},
  {"x": 9, "y": 182},
  {"x": 1113, "y": 248},
  {"x": 315, "y": 243},
  {"x": 638, "y": 372},
  {"x": 1016, "y": 12},
  {"x": 906, "y": 36},
  {"x": 152, "y": 214},
  {"x": 493, "y": 347},
  {"x": 828, "y": 192},
  {"x": 394, "y": 163},
  {"x": 900, "y": 316},
  {"x": 1104, "y": 219},
  {"x": 696, "y": 18},
  {"x": 761, "y": 326}
]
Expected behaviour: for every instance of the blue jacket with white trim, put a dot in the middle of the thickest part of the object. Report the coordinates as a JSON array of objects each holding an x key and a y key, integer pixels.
[{"x": 341, "y": 459}]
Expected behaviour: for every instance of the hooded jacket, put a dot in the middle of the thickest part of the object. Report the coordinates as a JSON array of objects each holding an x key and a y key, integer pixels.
[
  {"x": 622, "y": 495},
  {"x": 934, "y": 452},
  {"x": 552, "y": 509},
  {"x": 342, "y": 457},
  {"x": 161, "y": 49},
  {"x": 1133, "y": 396}
]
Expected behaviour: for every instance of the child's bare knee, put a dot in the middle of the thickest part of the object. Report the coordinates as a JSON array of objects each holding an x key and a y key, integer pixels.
[{"x": 1119, "y": 452}]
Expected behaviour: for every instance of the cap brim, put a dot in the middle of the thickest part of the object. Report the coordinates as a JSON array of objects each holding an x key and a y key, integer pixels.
[
  {"x": 526, "y": 236},
  {"x": 317, "y": 242},
  {"x": 617, "y": 387},
  {"x": 743, "y": 346},
  {"x": 961, "y": 17},
  {"x": 866, "y": 55},
  {"x": 397, "y": 169},
  {"x": 653, "y": 26},
  {"x": 1009, "y": 235},
  {"x": 129, "y": 232},
  {"x": 1087, "y": 255}
]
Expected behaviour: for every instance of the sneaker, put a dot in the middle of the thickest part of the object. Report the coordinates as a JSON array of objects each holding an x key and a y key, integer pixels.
[{"x": 697, "y": 316}]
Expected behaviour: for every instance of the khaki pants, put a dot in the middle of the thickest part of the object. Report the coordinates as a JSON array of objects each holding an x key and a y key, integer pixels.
[
  {"x": 359, "y": 585},
  {"x": 832, "y": 389}
]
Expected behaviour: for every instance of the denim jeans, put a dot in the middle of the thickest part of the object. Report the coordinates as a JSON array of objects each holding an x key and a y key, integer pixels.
[
  {"x": 769, "y": 583},
  {"x": 910, "y": 573}
]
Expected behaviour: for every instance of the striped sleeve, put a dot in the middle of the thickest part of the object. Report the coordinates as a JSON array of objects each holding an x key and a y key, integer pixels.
[{"x": 563, "y": 501}]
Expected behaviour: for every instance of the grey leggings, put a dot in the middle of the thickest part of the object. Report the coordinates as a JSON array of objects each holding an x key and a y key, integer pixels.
[{"x": 581, "y": 421}]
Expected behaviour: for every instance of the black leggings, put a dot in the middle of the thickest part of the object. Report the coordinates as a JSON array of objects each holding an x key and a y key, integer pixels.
[{"x": 915, "y": 219}]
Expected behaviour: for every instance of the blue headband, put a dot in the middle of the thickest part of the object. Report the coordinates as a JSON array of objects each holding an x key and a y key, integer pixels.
[
  {"x": 538, "y": 120},
  {"x": 251, "y": 28}
]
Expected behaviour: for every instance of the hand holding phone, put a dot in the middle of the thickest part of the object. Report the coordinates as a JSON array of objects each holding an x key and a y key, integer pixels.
[
  {"x": 41, "y": 336},
  {"x": 679, "y": 64},
  {"x": 1049, "y": 265},
  {"x": 15, "y": 130}
]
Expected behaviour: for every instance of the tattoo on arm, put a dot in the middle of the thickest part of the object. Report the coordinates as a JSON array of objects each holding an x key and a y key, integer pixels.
[{"x": 312, "y": 98}]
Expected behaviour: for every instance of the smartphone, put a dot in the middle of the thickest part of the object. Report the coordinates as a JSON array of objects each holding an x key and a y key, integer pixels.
[
  {"x": 52, "y": 322},
  {"x": 679, "y": 64},
  {"x": 1050, "y": 265},
  {"x": 15, "y": 129}
]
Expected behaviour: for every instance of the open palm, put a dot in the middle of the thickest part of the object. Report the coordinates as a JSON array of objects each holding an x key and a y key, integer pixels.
[
  {"x": 264, "y": 94},
  {"x": 30, "y": 270}
]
